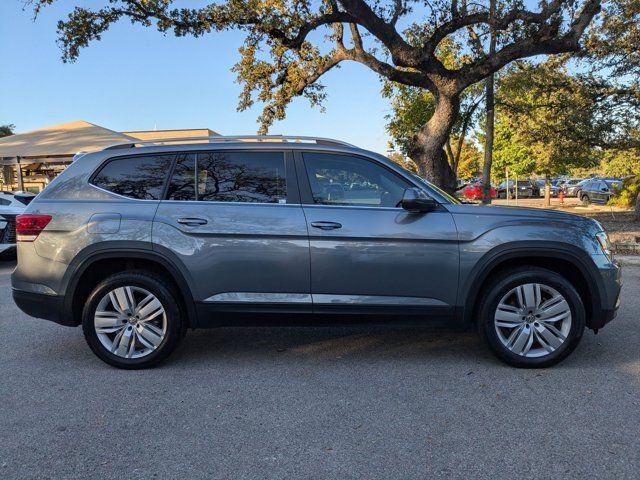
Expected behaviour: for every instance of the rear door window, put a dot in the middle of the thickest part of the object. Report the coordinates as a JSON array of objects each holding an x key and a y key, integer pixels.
[
  {"x": 229, "y": 176},
  {"x": 139, "y": 177}
]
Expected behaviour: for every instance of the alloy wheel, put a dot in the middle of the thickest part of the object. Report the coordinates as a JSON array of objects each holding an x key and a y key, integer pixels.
[
  {"x": 532, "y": 320},
  {"x": 130, "y": 322}
]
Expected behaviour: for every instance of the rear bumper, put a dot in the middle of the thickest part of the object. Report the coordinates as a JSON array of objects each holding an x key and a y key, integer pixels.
[{"x": 47, "y": 307}]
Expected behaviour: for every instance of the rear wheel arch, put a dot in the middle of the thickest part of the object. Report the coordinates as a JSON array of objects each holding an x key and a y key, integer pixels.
[
  {"x": 563, "y": 261},
  {"x": 89, "y": 271}
]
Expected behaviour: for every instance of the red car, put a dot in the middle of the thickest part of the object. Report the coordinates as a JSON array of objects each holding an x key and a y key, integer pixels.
[{"x": 473, "y": 191}]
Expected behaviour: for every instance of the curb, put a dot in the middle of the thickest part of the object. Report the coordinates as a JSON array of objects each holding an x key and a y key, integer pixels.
[{"x": 628, "y": 260}]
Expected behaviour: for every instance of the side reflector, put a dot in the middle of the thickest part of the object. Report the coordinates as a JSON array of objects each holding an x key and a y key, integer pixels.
[{"x": 28, "y": 226}]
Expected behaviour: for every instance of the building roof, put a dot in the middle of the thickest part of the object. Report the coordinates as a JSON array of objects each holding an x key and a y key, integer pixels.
[
  {"x": 63, "y": 140},
  {"x": 181, "y": 133}
]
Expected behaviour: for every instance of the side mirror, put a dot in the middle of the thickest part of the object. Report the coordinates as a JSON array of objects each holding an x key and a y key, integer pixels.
[{"x": 416, "y": 201}]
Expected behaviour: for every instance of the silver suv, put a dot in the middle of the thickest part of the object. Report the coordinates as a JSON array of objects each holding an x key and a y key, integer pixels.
[{"x": 139, "y": 242}]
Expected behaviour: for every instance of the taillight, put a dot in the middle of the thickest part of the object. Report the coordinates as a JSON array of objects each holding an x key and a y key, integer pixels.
[{"x": 28, "y": 226}]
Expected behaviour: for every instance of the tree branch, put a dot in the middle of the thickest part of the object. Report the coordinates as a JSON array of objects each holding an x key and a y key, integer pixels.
[
  {"x": 458, "y": 22},
  {"x": 544, "y": 42}
]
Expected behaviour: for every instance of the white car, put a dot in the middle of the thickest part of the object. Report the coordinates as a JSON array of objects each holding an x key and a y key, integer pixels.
[{"x": 11, "y": 205}]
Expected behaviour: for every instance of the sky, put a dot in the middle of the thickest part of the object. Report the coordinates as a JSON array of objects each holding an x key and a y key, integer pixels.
[{"x": 136, "y": 78}]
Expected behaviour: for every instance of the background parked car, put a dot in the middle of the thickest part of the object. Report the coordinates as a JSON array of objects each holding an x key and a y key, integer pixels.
[
  {"x": 473, "y": 191},
  {"x": 572, "y": 187},
  {"x": 11, "y": 205},
  {"x": 553, "y": 190},
  {"x": 596, "y": 191},
  {"x": 526, "y": 189}
]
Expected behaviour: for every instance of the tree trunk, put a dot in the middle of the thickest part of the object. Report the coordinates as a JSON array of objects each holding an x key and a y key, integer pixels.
[
  {"x": 427, "y": 150},
  {"x": 488, "y": 144},
  {"x": 490, "y": 102},
  {"x": 547, "y": 191},
  {"x": 637, "y": 209}
]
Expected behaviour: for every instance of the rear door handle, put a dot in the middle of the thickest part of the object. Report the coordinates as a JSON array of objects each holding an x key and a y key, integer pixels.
[
  {"x": 326, "y": 225},
  {"x": 192, "y": 221}
]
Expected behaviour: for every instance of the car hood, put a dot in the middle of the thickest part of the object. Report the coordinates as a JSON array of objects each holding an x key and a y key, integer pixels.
[{"x": 475, "y": 220}]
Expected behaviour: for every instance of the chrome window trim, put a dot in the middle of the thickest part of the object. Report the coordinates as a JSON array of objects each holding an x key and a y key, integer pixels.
[
  {"x": 359, "y": 207},
  {"x": 121, "y": 196}
]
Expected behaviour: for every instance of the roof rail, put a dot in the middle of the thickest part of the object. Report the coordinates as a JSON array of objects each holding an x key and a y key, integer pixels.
[{"x": 231, "y": 138}]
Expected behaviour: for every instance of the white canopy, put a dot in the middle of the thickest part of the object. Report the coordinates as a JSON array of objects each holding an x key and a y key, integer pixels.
[{"x": 59, "y": 141}]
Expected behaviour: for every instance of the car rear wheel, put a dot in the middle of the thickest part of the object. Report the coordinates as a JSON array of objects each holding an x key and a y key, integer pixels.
[
  {"x": 531, "y": 317},
  {"x": 585, "y": 200},
  {"x": 132, "y": 320}
]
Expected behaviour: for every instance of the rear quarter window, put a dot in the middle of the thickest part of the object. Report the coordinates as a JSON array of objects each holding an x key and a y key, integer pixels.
[{"x": 139, "y": 177}]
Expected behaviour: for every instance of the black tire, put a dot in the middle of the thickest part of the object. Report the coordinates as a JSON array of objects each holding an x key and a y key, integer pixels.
[
  {"x": 502, "y": 195},
  {"x": 585, "y": 201},
  {"x": 163, "y": 291},
  {"x": 508, "y": 280}
]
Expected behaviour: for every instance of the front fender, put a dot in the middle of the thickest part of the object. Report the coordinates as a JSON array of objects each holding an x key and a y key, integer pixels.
[{"x": 477, "y": 274}]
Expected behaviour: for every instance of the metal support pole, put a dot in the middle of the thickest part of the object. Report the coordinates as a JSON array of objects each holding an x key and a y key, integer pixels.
[
  {"x": 20, "y": 179},
  {"x": 508, "y": 189}
]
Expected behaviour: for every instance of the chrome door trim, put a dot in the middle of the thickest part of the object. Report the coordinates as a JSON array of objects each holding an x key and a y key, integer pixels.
[
  {"x": 323, "y": 299},
  {"x": 252, "y": 297},
  {"x": 331, "y": 299}
]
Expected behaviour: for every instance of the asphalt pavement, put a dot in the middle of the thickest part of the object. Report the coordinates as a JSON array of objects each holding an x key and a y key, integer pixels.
[{"x": 321, "y": 403}]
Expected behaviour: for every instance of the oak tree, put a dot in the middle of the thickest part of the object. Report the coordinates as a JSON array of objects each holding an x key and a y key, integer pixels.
[{"x": 291, "y": 44}]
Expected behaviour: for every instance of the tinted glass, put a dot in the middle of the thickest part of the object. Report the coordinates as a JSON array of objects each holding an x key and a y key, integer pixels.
[
  {"x": 4, "y": 202},
  {"x": 183, "y": 180},
  {"x": 135, "y": 177},
  {"x": 229, "y": 177},
  {"x": 344, "y": 180},
  {"x": 241, "y": 177}
]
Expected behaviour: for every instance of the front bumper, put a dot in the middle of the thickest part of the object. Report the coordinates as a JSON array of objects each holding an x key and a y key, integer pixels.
[
  {"x": 39, "y": 305},
  {"x": 612, "y": 283}
]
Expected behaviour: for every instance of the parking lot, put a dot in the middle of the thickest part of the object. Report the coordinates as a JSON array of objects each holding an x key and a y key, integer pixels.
[{"x": 340, "y": 403}]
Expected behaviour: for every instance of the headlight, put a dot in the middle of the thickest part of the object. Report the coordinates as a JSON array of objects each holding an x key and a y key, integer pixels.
[{"x": 603, "y": 240}]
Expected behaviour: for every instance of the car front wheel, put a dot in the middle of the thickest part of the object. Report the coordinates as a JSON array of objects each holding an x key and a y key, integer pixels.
[
  {"x": 132, "y": 320},
  {"x": 585, "y": 200},
  {"x": 531, "y": 317}
]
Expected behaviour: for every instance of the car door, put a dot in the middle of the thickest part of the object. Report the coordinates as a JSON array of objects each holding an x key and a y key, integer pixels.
[
  {"x": 234, "y": 220},
  {"x": 603, "y": 192},
  {"x": 367, "y": 253}
]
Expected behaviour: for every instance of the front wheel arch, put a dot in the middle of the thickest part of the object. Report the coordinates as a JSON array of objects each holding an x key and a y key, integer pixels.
[{"x": 561, "y": 260}]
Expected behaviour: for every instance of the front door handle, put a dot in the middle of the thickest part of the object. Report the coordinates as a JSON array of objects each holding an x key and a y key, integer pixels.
[
  {"x": 192, "y": 221},
  {"x": 326, "y": 225}
]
